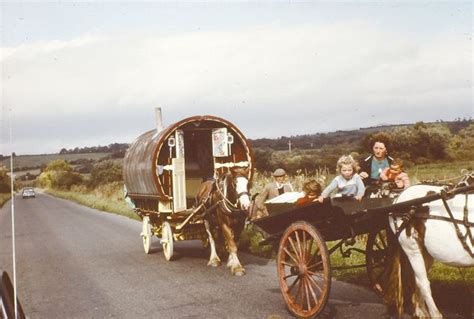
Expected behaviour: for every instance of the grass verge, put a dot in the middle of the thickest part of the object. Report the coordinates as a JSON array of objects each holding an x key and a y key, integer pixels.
[
  {"x": 116, "y": 206},
  {"x": 4, "y": 197}
]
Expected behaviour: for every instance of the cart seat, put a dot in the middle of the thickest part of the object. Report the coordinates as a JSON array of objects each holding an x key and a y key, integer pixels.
[{"x": 283, "y": 202}]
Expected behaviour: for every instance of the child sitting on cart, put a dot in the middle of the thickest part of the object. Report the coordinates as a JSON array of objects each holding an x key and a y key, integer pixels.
[
  {"x": 312, "y": 191},
  {"x": 348, "y": 183},
  {"x": 395, "y": 174}
]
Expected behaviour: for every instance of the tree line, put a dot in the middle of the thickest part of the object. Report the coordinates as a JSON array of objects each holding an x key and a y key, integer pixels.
[
  {"x": 115, "y": 148},
  {"x": 415, "y": 144}
]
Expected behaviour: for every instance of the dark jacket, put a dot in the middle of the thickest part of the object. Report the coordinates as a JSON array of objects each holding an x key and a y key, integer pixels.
[{"x": 366, "y": 166}]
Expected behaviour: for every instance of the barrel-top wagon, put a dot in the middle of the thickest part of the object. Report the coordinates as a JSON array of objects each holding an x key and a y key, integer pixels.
[{"x": 164, "y": 168}]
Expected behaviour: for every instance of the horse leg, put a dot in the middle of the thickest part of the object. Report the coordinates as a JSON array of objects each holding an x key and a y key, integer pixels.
[
  {"x": 214, "y": 259},
  {"x": 412, "y": 249},
  {"x": 233, "y": 262}
]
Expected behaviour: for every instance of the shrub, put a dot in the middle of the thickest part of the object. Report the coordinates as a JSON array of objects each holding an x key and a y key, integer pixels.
[
  {"x": 58, "y": 174},
  {"x": 105, "y": 172},
  {"x": 4, "y": 180}
]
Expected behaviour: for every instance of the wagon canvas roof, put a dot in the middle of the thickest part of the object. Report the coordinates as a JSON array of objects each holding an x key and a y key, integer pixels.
[{"x": 143, "y": 156}]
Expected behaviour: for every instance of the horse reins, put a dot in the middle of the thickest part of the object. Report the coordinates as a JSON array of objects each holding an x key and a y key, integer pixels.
[{"x": 414, "y": 212}]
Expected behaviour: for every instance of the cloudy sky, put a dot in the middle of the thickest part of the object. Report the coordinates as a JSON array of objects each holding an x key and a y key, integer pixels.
[{"x": 91, "y": 73}]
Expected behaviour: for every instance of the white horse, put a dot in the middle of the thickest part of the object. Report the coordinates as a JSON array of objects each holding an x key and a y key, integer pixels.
[{"x": 426, "y": 239}]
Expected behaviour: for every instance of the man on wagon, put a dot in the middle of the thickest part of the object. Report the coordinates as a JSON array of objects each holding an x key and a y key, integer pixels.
[{"x": 273, "y": 189}]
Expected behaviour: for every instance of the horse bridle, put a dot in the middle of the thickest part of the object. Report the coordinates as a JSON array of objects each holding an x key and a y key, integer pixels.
[{"x": 226, "y": 205}]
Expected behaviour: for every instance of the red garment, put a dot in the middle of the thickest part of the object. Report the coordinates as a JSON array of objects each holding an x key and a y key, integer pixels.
[
  {"x": 401, "y": 179},
  {"x": 305, "y": 200}
]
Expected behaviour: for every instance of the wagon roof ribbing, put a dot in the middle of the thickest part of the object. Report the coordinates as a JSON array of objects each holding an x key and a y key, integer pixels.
[{"x": 140, "y": 162}]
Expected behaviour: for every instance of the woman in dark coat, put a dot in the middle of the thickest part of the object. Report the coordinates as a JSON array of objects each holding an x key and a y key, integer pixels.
[{"x": 373, "y": 165}]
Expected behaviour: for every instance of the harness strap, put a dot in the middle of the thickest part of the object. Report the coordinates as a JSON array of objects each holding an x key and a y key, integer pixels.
[
  {"x": 225, "y": 204},
  {"x": 446, "y": 219},
  {"x": 406, "y": 218},
  {"x": 462, "y": 238}
]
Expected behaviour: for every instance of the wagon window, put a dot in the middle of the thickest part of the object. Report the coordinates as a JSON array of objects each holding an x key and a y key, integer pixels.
[{"x": 220, "y": 145}]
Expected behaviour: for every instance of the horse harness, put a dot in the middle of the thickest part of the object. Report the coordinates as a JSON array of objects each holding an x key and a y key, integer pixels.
[
  {"x": 422, "y": 212},
  {"x": 224, "y": 203}
]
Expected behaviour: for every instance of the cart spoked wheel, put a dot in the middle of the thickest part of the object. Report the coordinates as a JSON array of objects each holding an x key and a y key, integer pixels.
[
  {"x": 167, "y": 240},
  {"x": 304, "y": 270},
  {"x": 146, "y": 234},
  {"x": 376, "y": 258}
]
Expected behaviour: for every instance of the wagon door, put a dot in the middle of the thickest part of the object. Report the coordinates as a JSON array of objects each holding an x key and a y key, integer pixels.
[{"x": 179, "y": 175}]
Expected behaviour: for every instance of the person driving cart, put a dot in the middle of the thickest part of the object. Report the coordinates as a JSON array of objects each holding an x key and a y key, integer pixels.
[{"x": 348, "y": 183}]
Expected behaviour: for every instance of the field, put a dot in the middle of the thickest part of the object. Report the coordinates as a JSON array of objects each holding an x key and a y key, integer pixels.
[
  {"x": 448, "y": 172},
  {"x": 44, "y": 159}
]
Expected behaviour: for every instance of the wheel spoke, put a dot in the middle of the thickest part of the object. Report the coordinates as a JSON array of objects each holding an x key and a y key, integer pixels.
[
  {"x": 298, "y": 293},
  {"x": 315, "y": 264},
  {"x": 300, "y": 249},
  {"x": 384, "y": 243},
  {"x": 317, "y": 274},
  {"x": 291, "y": 256},
  {"x": 315, "y": 299},
  {"x": 308, "y": 250},
  {"x": 293, "y": 284},
  {"x": 294, "y": 248},
  {"x": 303, "y": 247},
  {"x": 306, "y": 293},
  {"x": 290, "y": 275},
  {"x": 377, "y": 245},
  {"x": 315, "y": 284},
  {"x": 287, "y": 264}
]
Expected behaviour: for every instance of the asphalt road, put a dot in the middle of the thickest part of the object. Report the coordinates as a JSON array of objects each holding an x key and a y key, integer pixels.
[{"x": 76, "y": 262}]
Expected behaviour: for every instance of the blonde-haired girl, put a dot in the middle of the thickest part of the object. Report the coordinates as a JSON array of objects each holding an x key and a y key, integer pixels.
[{"x": 348, "y": 182}]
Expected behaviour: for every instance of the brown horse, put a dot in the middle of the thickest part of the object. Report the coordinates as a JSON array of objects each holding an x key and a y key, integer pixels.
[{"x": 227, "y": 201}]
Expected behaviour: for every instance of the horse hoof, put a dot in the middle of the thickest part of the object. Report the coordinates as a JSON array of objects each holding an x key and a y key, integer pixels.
[
  {"x": 238, "y": 272},
  {"x": 214, "y": 263}
]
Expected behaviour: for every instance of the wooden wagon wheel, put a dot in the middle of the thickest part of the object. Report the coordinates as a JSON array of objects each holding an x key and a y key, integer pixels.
[
  {"x": 146, "y": 234},
  {"x": 167, "y": 240},
  {"x": 304, "y": 270},
  {"x": 376, "y": 258}
]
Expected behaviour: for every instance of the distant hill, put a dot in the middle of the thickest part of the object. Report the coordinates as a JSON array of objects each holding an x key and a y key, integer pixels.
[
  {"x": 86, "y": 156},
  {"x": 318, "y": 140},
  {"x": 32, "y": 162}
]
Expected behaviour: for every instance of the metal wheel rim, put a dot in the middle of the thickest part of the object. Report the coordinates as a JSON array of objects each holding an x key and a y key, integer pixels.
[
  {"x": 304, "y": 270},
  {"x": 167, "y": 240},
  {"x": 146, "y": 234}
]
